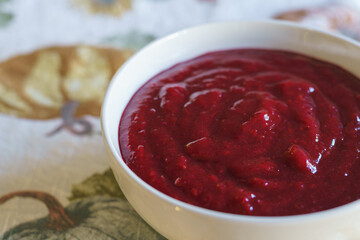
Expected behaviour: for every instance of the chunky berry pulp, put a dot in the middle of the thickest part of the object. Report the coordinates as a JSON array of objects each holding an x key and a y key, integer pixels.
[{"x": 248, "y": 131}]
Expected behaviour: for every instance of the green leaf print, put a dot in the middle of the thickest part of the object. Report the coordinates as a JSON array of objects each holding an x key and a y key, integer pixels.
[
  {"x": 133, "y": 40},
  {"x": 99, "y": 184},
  {"x": 5, "y": 17}
]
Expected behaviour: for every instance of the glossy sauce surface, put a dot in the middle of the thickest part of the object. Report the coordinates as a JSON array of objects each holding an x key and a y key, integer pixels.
[{"x": 248, "y": 131}]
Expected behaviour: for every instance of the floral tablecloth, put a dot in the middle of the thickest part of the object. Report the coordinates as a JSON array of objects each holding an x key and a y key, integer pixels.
[{"x": 57, "y": 58}]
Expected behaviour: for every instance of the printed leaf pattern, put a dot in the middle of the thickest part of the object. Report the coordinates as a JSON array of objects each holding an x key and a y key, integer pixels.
[
  {"x": 5, "y": 18},
  {"x": 103, "y": 184},
  {"x": 89, "y": 218},
  {"x": 133, "y": 40}
]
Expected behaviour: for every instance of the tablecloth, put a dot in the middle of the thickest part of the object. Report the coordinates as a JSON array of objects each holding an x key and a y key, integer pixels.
[{"x": 57, "y": 58}]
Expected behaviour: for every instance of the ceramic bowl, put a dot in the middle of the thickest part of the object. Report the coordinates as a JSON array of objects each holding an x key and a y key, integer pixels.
[{"x": 178, "y": 220}]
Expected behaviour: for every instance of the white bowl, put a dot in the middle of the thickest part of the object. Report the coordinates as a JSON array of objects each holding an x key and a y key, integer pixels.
[{"x": 178, "y": 220}]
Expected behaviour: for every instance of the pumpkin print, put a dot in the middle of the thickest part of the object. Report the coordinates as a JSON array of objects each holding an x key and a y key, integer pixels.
[
  {"x": 334, "y": 17},
  {"x": 99, "y": 217},
  {"x": 109, "y": 7},
  {"x": 58, "y": 81}
]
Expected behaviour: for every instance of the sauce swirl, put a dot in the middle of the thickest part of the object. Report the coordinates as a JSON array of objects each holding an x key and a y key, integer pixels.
[{"x": 248, "y": 131}]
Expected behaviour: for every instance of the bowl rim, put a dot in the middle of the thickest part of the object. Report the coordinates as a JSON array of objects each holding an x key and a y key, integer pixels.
[{"x": 343, "y": 209}]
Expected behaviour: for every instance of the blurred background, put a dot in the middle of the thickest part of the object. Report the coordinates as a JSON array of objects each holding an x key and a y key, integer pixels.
[
  {"x": 56, "y": 60},
  {"x": 30, "y": 24}
]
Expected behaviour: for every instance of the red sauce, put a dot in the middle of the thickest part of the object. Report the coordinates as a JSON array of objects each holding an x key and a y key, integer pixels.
[{"x": 248, "y": 131}]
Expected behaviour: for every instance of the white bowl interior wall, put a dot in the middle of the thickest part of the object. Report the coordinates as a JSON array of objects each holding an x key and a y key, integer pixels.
[{"x": 176, "y": 220}]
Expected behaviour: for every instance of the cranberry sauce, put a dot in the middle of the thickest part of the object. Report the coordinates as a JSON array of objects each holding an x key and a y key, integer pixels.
[{"x": 248, "y": 131}]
